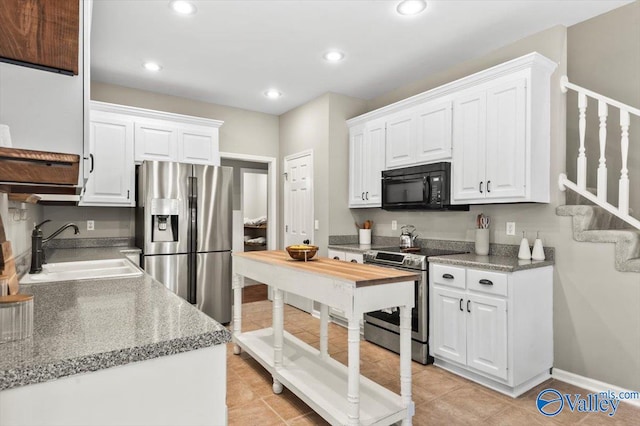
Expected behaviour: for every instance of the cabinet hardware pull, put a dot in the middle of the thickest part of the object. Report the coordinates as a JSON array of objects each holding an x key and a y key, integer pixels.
[
  {"x": 488, "y": 186},
  {"x": 336, "y": 257},
  {"x": 468, "y": 302},
  {"x": 367, "y": 195},
  {"x": 447, "y": 276},
  {"x": 460, "y": 306},
  {"x": 91, "y": 159},
  {"x": 481, "y": 186},
  {"x": 354, "y": 261},
  {"x": 362, "y": 196},
  {"x": 128, "y": 192},
  {"x": 486, "y": 282}
]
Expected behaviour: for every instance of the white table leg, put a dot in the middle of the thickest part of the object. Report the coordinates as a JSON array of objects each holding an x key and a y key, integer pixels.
[
  {"x": 405, "y": 363},
  {"x": 324, "y": 331},
  {"x": 278, "y": 338},
  {"x": 238, "y": 284},
  {"x": 353, "y": 385}
]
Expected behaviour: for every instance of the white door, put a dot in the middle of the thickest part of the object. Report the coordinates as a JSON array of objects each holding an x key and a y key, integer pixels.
[
  {"x": 487, "y": 335},
  {"x": 400, "y": 141},
  {"x": 433, "y": 132},
  {"x": 298, "y": 210},
  {"x": 506, "y": 154},
  {"x": 448, "y": 324},
  {"x": 112, "y": 173},
  {"x": 373, "y": 159},
  {"x": 198, "y": 145},
  {"x": 356, "y": 166},
  {"x": 156, "y": 140},
  {"x": 469, "y": 138}
]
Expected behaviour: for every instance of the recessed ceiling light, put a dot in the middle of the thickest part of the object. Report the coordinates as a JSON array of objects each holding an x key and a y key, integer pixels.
[
  {"x": 273, "y": 94},
  {"x": 333, "y": 56},
  {"x": 183, "y": 7},
  {"x": 152, "y": 66},
  {"x": 411, "y": 7}
]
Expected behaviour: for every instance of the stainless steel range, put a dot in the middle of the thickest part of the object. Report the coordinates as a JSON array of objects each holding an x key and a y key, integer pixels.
[{"x": 383, "y": 327}]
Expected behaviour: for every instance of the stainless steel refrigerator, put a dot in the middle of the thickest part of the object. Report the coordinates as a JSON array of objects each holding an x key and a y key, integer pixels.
[{"x": 183, "y": 226}]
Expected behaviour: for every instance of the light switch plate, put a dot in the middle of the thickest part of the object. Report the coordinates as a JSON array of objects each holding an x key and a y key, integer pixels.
[
  {"x": 316, "y": 224},
  {"x": 91, "y": 225},
  {"x": 394, "y": 225}
]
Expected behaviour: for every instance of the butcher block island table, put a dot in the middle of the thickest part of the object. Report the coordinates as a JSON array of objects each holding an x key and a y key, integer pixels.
[{"x": 336, "y": 392}]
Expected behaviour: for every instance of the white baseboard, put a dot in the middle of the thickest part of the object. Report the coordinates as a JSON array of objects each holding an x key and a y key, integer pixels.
[{"x": 591, "y": 384}]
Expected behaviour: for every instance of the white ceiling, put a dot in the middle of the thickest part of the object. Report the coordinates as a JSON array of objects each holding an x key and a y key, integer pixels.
[{"x": 231, "y": 52}]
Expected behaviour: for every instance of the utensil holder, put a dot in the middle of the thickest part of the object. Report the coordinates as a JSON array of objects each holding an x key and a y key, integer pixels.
[
  {"x": 482, "y": 241},
  {"x": 364, "y": 236}
]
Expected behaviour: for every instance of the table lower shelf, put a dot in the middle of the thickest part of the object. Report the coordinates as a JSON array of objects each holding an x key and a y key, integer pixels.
[{"x": 322, "y": 382}]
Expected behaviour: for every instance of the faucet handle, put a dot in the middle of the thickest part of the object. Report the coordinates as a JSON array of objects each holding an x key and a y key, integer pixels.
[{"x": 37, "y": 227}]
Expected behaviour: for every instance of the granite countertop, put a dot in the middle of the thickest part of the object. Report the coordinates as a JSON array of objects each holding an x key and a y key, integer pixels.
[
  {"x": 88, "y": 325},
  {"x": 491, "y": 262}
]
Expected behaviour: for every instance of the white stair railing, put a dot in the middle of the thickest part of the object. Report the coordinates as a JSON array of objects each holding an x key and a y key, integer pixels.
[{"x": 622, "y": 211}]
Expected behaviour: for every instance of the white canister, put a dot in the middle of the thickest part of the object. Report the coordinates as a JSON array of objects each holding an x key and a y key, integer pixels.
[
  {"x": 5, "y": 136},
  {"x": 482, "y": 241},
  {"x": 364, "y": 236}
]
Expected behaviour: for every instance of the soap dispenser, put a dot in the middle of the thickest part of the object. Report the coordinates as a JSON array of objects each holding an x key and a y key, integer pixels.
[
  {"x": 525, "y": 251},
  {"x": 538, "y": 250}
]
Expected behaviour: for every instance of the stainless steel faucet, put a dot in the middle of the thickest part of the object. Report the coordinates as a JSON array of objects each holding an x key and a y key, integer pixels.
[{"x": 38, "y": 241}]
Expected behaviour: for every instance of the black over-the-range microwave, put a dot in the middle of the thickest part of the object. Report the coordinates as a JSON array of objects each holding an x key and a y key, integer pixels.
[{"x": 426, "y": 187}]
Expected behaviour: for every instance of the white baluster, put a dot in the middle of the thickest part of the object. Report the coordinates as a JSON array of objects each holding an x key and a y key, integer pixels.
[
  {"x": 324, "y": 331},
  {"x": 602, "y": 167},
  {"x": 238, "y": 284},
  {"x": 582, "y": 125},
  {"x": 353, "y": 381},
  {"x": 278, "y": 336},
  {"x": 623, "y": 190}
]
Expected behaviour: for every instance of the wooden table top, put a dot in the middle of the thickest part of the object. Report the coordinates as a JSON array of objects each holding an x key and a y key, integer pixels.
[{"x": 361, "y": 275}]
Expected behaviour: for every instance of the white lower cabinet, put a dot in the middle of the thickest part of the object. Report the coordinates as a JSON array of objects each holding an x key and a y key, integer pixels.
[{"x": 495, "y": 328}]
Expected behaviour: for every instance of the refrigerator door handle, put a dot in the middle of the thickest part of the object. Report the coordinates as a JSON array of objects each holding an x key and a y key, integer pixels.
[{"x": 192, "y": 186}]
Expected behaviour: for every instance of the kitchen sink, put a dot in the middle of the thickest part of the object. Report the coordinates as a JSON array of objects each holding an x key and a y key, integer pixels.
[{"x": 90, "y": 269}]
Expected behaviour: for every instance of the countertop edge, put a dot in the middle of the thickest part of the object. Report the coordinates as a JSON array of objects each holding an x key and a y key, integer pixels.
[
  {"x": 446, "y": 260},
  {"x": 41, "y": 373}
]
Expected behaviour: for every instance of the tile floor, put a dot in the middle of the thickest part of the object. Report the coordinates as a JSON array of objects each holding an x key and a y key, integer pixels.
[{"x": 441, "y": 398}]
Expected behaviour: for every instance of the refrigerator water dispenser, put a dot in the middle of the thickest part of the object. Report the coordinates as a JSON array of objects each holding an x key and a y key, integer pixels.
[{"x": 164, "y": 219}]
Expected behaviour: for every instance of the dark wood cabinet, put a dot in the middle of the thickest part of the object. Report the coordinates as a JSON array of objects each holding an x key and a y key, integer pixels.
[{"x": 40, "y": 34}]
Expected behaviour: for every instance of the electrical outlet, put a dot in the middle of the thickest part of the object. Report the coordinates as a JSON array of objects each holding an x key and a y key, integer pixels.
[
  {"x": 394, "y": 225},
  {"x": 511, "y": 228},
  {"x": 91, "y": 225}
]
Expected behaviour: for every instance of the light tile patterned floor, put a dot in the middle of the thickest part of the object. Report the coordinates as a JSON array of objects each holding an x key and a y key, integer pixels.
[{"x": 441, "y": 398}]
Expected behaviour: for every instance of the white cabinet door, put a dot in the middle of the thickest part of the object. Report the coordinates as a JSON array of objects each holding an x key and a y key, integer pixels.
[
  {"x": 400, "y": 141},
  {"x": 506, "y": 144},
  {"x": 469, "y": 141},
  {"x": 336, "y": 254},
  {"x": 433, "y": 132},
  {"x": 449, "y": 339},
  {"x": 366, "y": 162},
  {"x": 374, "y": 163},
  {"x": 356, "y": 166},
  {"x": 155, "y": 140},
  {"x": 112, "y": 175},
  {"x": 198, "y": 145},
  {"x": 487, "y": 335}
]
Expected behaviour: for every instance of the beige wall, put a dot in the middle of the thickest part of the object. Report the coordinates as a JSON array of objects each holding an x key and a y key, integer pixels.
[
  {"x": 109, "y": 222},
  {"x": 604, "y": 56},
  {"x": 596, "y": 308},
  {"x": 18, "y": 231}
]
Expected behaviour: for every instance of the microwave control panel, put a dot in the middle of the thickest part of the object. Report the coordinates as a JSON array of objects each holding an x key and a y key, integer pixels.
[{"x": 437, "y": 190}]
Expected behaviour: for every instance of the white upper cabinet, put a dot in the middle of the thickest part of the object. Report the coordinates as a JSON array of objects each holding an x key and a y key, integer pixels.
[
  {"x": 198, "y": 145},
  {"x": 494, "y": 127},
  {"x": 366, "y": 162},
  {"x": 501, "y": 136},
  {"x": 419, "y": 135},
  {"x": 111, "y": 175},
  {"x": 155, "y": 140},
  {"x": 121, "y": 136}
]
